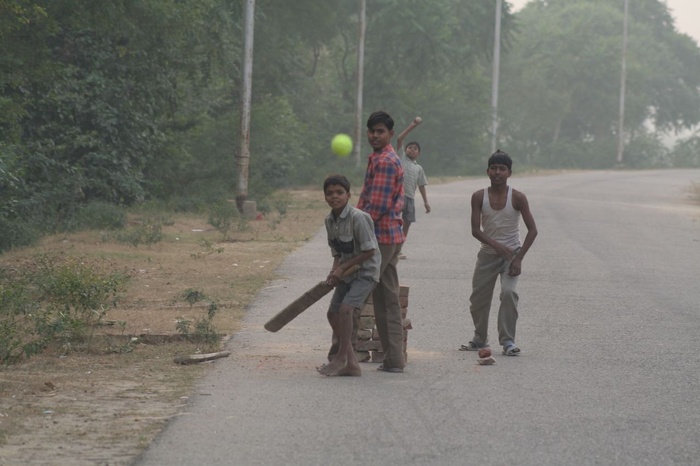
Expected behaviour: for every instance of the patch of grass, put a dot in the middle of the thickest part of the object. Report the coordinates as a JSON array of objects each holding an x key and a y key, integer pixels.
[
  {"x": 54, "y": 298},
  {"x": 207, "y": 249},
  {"x": 148, "y": 232},
  {"x": 105, "y": 378}
]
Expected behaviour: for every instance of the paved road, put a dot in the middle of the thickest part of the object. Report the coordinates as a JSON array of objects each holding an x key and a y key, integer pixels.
[{"x": 609, "y": 374}]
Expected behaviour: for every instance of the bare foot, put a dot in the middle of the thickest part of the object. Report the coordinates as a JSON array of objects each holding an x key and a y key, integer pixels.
[
  {"x": 332, "y": 368},
  {"x": 341, "y": 368},
  {"x": 350, "y": 371}
]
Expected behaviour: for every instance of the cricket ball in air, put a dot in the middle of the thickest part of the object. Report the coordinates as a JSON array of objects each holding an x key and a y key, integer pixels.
[
  {"x": 341, "y": 145},
  {"x": 484, "y": 353}
]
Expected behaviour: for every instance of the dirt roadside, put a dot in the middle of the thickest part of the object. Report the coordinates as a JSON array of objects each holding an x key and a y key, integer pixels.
[{"x": 105, "y": 405}]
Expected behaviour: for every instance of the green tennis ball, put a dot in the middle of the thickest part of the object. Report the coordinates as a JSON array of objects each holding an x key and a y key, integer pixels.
[{"x": 341, "y": 145}]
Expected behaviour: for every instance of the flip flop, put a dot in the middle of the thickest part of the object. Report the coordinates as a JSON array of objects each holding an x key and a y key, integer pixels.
[
  {"x": 395, "y": 370},
  {"x": 471, "y": 346},
  {"x": 511, "y": 350}
]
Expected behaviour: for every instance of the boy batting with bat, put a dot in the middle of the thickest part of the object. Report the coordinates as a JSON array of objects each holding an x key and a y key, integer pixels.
[{"x": 353, "y": 243}]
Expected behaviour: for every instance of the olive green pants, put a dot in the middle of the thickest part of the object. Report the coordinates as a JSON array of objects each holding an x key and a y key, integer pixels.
[
  {"x": 387, "y": 307},
  {"x": 488, "y": 268}
]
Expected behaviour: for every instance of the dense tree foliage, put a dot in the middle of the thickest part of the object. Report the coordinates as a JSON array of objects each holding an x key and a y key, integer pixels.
[
  {"x": 130, "y": 100},
  {"x": 562, "y": 83},
  {"x": 94, "y": 91}
]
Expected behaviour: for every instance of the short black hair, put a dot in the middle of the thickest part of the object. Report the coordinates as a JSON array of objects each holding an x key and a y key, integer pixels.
[
  {"x": 500, "y": 157},
  {"x": 413, "y": 143},
  {"x": 380, "y": 116},
  {"x": 336, "y": 179}
]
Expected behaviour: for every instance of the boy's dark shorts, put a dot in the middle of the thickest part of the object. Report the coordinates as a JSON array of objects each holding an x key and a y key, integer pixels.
[
  {"x": 354, "y": 293},
  {"x": 408, "y": 214}
]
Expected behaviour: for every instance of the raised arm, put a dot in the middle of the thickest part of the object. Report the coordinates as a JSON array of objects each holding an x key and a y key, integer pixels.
[{"x": 399, "y": 142}]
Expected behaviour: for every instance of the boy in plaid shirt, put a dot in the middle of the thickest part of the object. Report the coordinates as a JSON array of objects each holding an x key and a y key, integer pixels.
[{"x": 382, "y": 197}]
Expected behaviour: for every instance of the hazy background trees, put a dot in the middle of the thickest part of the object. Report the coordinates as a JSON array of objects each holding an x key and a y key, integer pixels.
[
  {"x": 561, "y": 84},
  {"x": 126, "y": 101}
]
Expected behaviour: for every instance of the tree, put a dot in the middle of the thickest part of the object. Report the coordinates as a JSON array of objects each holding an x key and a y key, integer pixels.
[
  {"x": 560, "y": 85},
  {"x": 686, "y": 152},
  {"x": 433, "y": 59},
  {"x": 127, "y": 100},
  {"x": 91, "y": 93}
]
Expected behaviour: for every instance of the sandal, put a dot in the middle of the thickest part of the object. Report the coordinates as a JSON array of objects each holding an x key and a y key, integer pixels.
[
  {"x": 395, "y": 370},
  {"x": 471, "y": 346},
  {"x": 511, "y": 350}
]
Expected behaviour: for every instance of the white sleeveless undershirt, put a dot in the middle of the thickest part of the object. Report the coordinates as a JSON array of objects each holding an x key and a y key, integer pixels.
[{"x": 500, "y": 225}]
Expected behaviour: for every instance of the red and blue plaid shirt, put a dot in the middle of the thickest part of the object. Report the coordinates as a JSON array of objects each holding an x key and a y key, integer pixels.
[{"x": 382, "y": 195}]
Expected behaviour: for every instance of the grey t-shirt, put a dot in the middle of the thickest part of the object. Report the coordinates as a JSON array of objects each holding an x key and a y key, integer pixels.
[
  {"x": 413, "y": 175},
  {"x": 351, "y": 233}
]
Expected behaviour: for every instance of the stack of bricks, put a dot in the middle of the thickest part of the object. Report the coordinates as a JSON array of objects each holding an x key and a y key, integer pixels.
[{"x": 367, "y": 344}]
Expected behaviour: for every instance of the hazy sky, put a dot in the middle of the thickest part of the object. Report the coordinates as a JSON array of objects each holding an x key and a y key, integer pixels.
[{"x": 685, "y": 12}]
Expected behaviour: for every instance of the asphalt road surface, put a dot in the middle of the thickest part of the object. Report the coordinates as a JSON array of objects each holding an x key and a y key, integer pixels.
[{"x": 609, "y": 330}]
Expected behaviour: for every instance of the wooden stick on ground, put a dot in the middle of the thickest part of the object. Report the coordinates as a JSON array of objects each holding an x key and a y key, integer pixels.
[{"x": 196, "y": 358}]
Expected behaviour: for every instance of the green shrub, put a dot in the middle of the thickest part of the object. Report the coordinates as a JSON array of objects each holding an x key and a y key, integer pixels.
[
  {"x": 77, "y": 292},
  {"x": 17, "y": 315},
  {"x": 204, "y": 329},
  {"x": 686, "y": 152},
  {"x": 192, "y": 204},
  {"x": 207, "y": 249},
  {"x": 100, "y": 215},
  {"x": 54, "y": 299},
  {"x": 222, "y": 216},
  {"x": 17, "y": 233},
  {"x": 149, "y": 231}
]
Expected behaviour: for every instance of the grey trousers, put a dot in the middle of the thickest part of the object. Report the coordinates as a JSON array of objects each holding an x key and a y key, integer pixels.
[
  {"x": 488, "y": 268},
  {"x": 387, "y": 308}
]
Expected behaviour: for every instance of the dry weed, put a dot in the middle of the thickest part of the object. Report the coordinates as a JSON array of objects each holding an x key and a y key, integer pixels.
[{"x": 106, "y": 405}]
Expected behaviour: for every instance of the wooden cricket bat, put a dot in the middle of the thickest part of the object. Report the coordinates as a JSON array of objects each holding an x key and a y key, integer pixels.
[{"x": 302, "y": 303}]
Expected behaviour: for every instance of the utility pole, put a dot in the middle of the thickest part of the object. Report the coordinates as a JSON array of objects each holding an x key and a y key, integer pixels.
[
  {"x": 623, "y": 79},
  {"x": 360, "y": 80},
  {"x": 242, "y": 158},
  {"x": 496, "y": 73}
]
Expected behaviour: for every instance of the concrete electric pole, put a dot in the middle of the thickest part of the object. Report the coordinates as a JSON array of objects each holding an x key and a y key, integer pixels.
[
  {"x": 242, "y": 158},
  {"x": 360, "y": 81},
  {"x": 623, "y": 79},
  {"x": 496, "y": 73}
]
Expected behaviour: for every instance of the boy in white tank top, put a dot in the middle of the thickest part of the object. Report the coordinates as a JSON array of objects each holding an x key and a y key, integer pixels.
[{"x": 495, "y": 218}]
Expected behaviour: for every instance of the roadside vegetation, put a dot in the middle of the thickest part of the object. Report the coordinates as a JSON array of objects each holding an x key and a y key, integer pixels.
[
  {"x": 90, "y": 318},
  {"x": 112, "y": 105}
]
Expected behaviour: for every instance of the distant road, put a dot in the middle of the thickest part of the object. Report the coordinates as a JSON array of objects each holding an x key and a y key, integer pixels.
[{"x": 609, "y": 328}]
